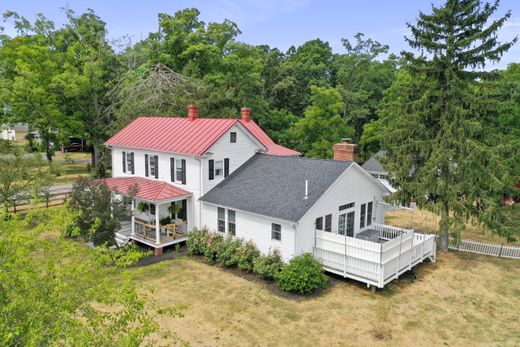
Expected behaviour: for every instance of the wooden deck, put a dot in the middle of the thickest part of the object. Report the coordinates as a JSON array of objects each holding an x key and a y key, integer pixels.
[
  {"x": 374, "y": 263},
  {"x": 145, "y": 233}
]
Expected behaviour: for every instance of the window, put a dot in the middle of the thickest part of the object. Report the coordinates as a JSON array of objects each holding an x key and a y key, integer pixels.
[
  {"x": 153, "y": 166},
  {"x": 319, "y": 223},
  {"x": 328, "y": 223},
  {"x": 383, "y": 177},
  {"x": 221, "y": 220},
  {"x": 152, "y": 209},
  {"x": 375, "y": 175},
  {"x": 276, "y": 231},
  {"x": 369, "y": 213},
  {"x": 350, "y": 224},
  {"x": 219, "y": 168},
  {"x": 130, "y": 162},
  {"x": 180, "y": 171},
  {"x": 363, "y": 216},
  {"x": 342, "y": 226},
  {"x": 346, "y": 206},
  {"x": 232, "y": 137},
  {"x": 231, "y": 222}
]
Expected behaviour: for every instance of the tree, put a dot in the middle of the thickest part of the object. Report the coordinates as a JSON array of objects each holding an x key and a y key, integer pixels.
[
  {"x": 89, "y": 71},
  {"x": 441, "y": 150},
  {"x": 97, "y": 213},
  {"x": 22, "y": 174},
  {"x": 57, "y": 292},
  {"x": 29, "y": 65},
  {"x": 362, "y": 79},
  {"x": 322, "y": 125}
]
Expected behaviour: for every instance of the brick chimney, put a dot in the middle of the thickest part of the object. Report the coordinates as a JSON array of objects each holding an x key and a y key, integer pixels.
[
  {"x": 193, "y": 112},
  {"x": 245, "y": 114},
  {"x": 345, "y": 150}
]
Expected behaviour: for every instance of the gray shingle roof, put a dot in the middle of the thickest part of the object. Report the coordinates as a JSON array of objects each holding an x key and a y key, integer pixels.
[
  {"x": 373, "y": 164},
  {"x": 275, "y": 186}
]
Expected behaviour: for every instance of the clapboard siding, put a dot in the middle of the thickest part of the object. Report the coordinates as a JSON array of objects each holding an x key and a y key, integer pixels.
[
  {"x": 353, "y": 185},
  {"x": 238, "y": 153},
  {"x": 256, "y": 228},
  {"x": 192, "y": 171}
]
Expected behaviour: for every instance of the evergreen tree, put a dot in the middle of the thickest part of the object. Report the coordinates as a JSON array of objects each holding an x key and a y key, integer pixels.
[{"x": 441, "y": 150}]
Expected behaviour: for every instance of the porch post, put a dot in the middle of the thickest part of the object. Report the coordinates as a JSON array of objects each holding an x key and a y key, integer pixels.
[
  {"x": 157, "y": 225},
  {"x": 133, "y": 216}
]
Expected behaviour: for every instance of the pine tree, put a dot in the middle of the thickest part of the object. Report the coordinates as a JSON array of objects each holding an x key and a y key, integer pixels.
[{"x": 441, "y": 152}]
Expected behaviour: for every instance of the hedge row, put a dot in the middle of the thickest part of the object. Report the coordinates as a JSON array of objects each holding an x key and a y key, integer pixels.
[{"x": 302, "y": 274}]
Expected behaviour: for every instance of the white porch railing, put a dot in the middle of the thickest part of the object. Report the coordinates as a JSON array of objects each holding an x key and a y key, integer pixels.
[{"x": 372, "y": 262}]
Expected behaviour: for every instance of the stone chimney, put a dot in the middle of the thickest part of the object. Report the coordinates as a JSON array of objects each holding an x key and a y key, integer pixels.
[
  {"x": 345, "y": 150},
  {"x": 193, "y": 112},
  {"x": 245, "y": 114}
]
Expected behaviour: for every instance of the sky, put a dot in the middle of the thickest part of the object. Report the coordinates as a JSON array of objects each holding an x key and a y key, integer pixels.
[{"x": 278, "y": 23}]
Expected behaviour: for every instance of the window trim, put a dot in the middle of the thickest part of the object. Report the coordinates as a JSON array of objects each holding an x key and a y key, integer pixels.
[
  {"x": 369, "y": 213},
  {"x": 347, "y": 206},
  {"x": 328, "y": 223},
  {"x": 233, "y": 137},
  {"x": 274, "y": 232},
  {"x": 215, "y": 169},
  {"x": 318, "y": 226},
  {"x": 130, "y": 162},
  {"x": 362, "y": 215},
  {"x": 219, "y": 220},
  {"x": 232, "y": 225}
]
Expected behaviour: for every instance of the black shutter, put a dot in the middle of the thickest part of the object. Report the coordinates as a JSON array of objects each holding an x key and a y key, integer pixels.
[
  {"x": 133, "y": 165},
  {"x": 183, "y": 161},
  {"x": 156, "y": 161},
  {"x": 124, "y": 161},
  {"x": 184, "y": 210},
  {"x": 172, "y": 169},
  {"x": 146, "y": 165},
  {"x": 226, "y": 167},
  {"x": 211, "y": 169}
]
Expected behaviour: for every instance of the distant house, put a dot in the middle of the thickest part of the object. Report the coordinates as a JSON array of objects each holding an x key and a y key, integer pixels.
[
  {"x": 374, "y": 167},
  {"x": 228, "y": 175},
  {"x": 14, "y": 132}
]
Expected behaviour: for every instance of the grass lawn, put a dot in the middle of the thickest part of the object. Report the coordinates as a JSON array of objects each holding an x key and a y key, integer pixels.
[
  {"x": 462, "y": 299},
  {"x": 70, "y": 166},
  {"x": 429, "y": 222}
]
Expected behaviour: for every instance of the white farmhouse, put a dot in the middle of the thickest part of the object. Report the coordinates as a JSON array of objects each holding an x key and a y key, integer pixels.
[{"x": 229, "y": 176}]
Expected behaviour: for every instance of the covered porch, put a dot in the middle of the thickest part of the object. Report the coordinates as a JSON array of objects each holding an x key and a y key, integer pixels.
[{"x": 160, "y": 213}]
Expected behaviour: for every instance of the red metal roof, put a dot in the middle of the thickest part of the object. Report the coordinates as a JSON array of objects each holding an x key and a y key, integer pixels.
[
  {"x": 147, "y": 189},
  {"x": 181, "y": 135}
]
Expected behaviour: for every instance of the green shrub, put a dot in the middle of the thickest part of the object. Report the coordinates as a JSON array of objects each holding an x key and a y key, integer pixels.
[
  {"x": 214, "y": 244},
  {"x": 121, "y": 257},
  {"x": 247, "y": 254},
  {"x": 302, "y": 275},
  {"x": 227, "y": 254},
  {"x": 197, "y": 241},
  {"x": 268, "y": 266}
]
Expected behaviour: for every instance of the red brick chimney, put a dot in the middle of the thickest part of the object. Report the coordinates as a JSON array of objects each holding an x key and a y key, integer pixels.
[
  {"x": 245, "y": 114},
  {"x": 193, "y": 112},
  {"x": 345, "y": 150}
]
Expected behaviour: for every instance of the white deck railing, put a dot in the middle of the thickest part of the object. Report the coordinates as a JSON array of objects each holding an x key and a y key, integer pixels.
[{"x": 372, "y": 262}]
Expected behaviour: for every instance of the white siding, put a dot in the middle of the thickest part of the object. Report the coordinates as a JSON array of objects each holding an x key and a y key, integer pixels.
[
  {"x": 192, "y": 172},
  {"x": 351, "y": 186},
  {"x": 256, "y": 228},
  {"x": 238, "y": 153}
]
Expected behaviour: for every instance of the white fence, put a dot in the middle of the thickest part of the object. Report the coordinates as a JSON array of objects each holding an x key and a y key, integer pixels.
[
  {"x": 372, "y": 262},
  {"x": 487, "y": 248}
]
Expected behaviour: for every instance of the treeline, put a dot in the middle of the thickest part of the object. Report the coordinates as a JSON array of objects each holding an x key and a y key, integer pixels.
[{"x": 71, "y": 81}]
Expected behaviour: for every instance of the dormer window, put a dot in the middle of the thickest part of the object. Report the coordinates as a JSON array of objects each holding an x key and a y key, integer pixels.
[{"x": 233, "y": 137}]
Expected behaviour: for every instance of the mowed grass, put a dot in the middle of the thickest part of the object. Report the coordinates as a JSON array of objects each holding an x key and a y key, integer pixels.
[
  {"x": 429, "y": 222},
  {"x": 463, "y": 299}
]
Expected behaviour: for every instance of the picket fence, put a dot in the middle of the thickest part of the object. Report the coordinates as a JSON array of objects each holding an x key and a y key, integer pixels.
[{"x": 486, "y": 248}]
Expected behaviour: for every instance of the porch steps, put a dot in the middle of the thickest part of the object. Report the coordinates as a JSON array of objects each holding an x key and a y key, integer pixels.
[{"x": 121, "y": 239}]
